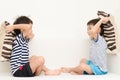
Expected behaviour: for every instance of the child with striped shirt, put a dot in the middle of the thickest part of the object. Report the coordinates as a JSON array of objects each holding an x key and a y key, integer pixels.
[{"x": 21, "y": 64}]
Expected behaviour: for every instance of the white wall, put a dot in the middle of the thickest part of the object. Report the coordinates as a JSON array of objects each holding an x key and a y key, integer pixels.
[{"x": 60, "y": 27}]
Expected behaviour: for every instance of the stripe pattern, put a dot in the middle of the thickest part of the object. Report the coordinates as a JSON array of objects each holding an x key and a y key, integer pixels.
[
  {"x": 20, "y": 53},
  {"x": 6, "y": 41},
  {"x": 7, "y": 45},
  {"x": 109, "y": 33}
]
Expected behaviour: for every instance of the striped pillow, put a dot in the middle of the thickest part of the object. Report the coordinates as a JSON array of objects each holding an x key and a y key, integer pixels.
[
  {"x": 6, "y": 40},
  {"x": 110, "y": 33}
]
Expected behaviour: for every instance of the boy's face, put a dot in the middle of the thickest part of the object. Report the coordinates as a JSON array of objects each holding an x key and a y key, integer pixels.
[
  {"x": 90, "y": 31},
  {"x": 30, "y": 34}
]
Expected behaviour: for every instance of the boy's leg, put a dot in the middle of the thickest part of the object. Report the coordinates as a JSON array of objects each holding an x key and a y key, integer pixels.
[
  {"x": 44, "y": 68},
  {"x": 73, "y": 70},
  {"x": 85, "y": 67},
  {"x": 78, "y": 69},
  {"x": 51, "y": 72},
  {"x": 83, "y": 60},
  {"x": 36, "y": 64},
  {"x": 39, "y": 69}
]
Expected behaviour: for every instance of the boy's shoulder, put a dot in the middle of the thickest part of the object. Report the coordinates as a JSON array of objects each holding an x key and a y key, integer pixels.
[
  {"x": 21, "y": 38},
  {"x": 98, "y": 38}
]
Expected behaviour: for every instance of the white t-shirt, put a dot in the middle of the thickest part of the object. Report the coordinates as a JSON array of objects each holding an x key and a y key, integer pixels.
[{"x": 98, "y": 53}]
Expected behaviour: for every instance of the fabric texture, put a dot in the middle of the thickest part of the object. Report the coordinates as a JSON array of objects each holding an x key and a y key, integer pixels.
[
  {"x": 24, "y": 71},
  {"x": 110, "y": 33},
  {"x": 6, "y": 41},
  {"x": 20, "y": 53},
  {"x": 98, "y": 53},
  {"x": 95, "y": 69}
]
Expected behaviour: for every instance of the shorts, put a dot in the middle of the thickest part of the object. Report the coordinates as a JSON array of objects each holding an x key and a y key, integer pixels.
[
  {"x": 95, "y": 69},
  {"x": 24, "y": 71}
]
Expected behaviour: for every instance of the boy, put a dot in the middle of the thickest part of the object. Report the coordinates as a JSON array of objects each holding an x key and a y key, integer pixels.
[
  {"x": 21, "y": 64},
  {"x": 97, "y": 64}
]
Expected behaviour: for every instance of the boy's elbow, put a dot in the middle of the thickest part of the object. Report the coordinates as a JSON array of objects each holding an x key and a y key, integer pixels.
[{"x": 26, "y": 27}]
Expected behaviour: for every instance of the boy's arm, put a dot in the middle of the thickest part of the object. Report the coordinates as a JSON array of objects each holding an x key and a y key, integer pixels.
[
  {"x": 96, "y": 27},
  {"x": 23, "y": 27}
]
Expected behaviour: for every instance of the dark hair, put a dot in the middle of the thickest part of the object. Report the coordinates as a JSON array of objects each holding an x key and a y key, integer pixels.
[
  {"x": 22, "y": 20},
  {"x": 93, "y": 22}
]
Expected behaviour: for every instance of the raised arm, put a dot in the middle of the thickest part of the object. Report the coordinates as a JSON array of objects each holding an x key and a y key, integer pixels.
[
  {"x": 25, "y": 28},
  {"x": 96, "y": 28},
  {"x": 22, "y": 27}
]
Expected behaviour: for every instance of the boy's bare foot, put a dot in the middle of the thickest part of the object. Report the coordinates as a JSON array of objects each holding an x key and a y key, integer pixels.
[
  {"x": 73, "y": 73},
  {"x": 65, "y": 70},
  {"x": 53, "y": 72}
]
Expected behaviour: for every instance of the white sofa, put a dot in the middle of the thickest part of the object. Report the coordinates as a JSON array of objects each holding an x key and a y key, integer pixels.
[
  {"x": 6, "y": 75},
  {"x": 109, "y": 76},
  {"x": 67, "y": 57}
]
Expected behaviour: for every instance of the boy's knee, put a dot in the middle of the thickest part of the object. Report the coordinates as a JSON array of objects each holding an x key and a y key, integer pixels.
[
  {"x": 82, "y": 66},
  {"x": 33, "y": 57},
  {"x": 83, "y": 60},
  {"x": 41, "y": 59},
  {"x": 37, "y": 60}
]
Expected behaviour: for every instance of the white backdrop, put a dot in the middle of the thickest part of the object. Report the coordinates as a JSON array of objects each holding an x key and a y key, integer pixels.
[{"x": 60, "y": 27}]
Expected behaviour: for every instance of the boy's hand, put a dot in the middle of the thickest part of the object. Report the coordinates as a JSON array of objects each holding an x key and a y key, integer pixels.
[
  {"x": 9, "y": 28},
  {"x": 104, "y": 19}
]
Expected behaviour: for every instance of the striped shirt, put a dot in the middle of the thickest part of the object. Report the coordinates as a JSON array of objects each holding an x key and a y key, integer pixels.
[
  {"x": 20, "y": 53},
  {"x": 98, "y": 53}
]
